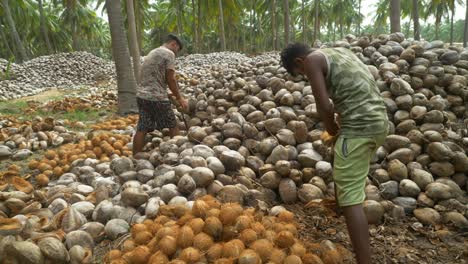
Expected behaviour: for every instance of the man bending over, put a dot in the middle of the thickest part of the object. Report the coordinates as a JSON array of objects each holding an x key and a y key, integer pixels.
[
  {"x": 154, "y": 106},
  {"x": 337, "y": 74}
]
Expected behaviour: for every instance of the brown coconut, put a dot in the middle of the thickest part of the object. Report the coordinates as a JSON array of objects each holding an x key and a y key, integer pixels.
[
  {"x": 298, "y": 249},
  {"x": 168, "y": 245},
  {"x": 233, "y": 248},
  {"x": 202, "y": 241},
  {"x": 248, "y": 236},
  {"x": 249, "y": 256},
  {"x": 214, "y": 252},
  {"x": 185, "y": 237},
  {"x": 243, "y": 222},
  {"x": 278, "y": 256},
  {"x": 213, "y": 227},
  {"x": 197, "y": 225},
  {"x": 200, "y": 208},
  {"x": 140, "y": 255},
  {"x": 158, "y": 258},
  {"x": 284, "y": 239},
  {"x": 292, "y": 259},
  {"x": 229, "y": 213},
  {"x": 286, "y": 216},
  {"x": 143, "y": 238},
  {"x": 310, "y": 258},
  {"x": 263, "y": 248},
  {"x": 190, "y": 255}
]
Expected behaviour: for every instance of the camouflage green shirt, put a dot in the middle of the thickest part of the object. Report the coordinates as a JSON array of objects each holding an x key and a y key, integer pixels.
[{"x": 355, "y": 95}]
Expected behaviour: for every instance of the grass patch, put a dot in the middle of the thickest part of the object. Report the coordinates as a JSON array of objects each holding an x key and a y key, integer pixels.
[
  {"x": 19, "y": 109},
  {"x": 13, "y": 107}
]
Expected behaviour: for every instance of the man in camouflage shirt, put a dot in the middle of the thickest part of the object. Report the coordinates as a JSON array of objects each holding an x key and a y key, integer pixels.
[
  {"x": 154, "y": 106},
  {"x": 337, "y": 74}
]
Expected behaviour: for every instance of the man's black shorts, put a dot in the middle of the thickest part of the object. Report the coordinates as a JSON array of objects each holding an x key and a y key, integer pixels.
[{"x": 155, "y": 115}]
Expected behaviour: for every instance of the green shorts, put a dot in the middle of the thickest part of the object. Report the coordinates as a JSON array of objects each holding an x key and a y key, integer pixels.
[{"x": 351, "y": 166}]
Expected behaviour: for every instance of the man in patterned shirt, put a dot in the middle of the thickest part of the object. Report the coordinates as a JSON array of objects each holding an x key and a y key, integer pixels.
[
  {"x": 154, "y": 106},
  {"x": 337, "y": 74}
]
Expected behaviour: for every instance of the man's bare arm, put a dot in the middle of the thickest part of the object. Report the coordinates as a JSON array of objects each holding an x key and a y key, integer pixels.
[
  {"x": 316, "y": 69},
  {"x": 172, "y": 82}
]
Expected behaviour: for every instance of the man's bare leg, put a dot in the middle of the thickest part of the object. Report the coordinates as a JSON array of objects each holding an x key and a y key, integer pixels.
[
  {"x": 174, "y": 131},
  {"x": 358, "y": 229},
  {"x": 138, "y": 141}
]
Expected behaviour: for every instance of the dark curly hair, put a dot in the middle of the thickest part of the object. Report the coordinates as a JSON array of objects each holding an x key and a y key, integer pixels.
[
  {"x": 172, "y": 37},
  {"x": 291, "y": 52}
]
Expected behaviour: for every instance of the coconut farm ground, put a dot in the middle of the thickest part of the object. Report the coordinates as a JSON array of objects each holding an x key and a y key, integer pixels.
[{"x": 250, "y": 181}]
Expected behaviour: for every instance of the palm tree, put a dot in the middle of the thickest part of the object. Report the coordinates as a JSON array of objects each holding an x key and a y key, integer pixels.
[
  {"x": 465, "y": 35},
  {"x": 416, "y": 20},
  {"x": 22, "y": 56},
  {"x": 451, "y": 4},
  {"x": 286, "y": 22},
  {"x": 134, "y": 49},
  {"x": 438, "y": 8},
  {"x": 126, "y": 84},
  {"x": 358, "y": 29},
  {"x": 317, "y": 21},
  {"x": 179, "y": 16},
  {"x": 194, "y": 28},
  {"x": 45, "y": 35},
  {"x": 5, "y": 40},
  {"x": 304, "y": 37},
  {"x": 395, "y": 16},
  {"x": 273, "y": 25},
  {"x": 221, "y": 26},
  {"x": 199, "y": 32}
]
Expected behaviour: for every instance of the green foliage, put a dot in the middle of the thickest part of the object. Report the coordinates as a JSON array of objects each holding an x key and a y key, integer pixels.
[
  {"x": 7, "y": 75},
  {"x": 74, "y": 24}
]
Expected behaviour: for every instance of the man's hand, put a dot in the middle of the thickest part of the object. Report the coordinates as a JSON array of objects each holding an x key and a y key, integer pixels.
[
  {"x": 328, "y": 139},
  {"x": 183, "y": 103}
]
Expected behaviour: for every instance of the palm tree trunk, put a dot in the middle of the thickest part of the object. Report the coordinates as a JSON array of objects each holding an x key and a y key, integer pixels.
[
  {"x": 273, "y": 25},
  {"x": 341, "y": 27},
  {"x": 75, "y": 40},
  {"x": 395, "y": 16},
  {"x": 416, "y": 20},
  {"x": 134, "y": 50},
  {"x": 408, "y": 27},
  {"x": 199, "y": 35},
  {"x": 451, "y": 23},
  {"x": 11, "y": 23},
  {"x": 465, "y": 35},
  {"x": 359, "y": 20},
  {"x": 126, "y": 84},
  {"x": 292, "y": 37},
  {"x": 179, "y": 18},
  {"x": 437, "y": 22},
  {"x": 139, "y": 24},
  {"x": 5, "y": 41},
  {"x": 317, "y": 21},
  {"x": 221, "y": 25},
  {"x": 252, "y": 27},
  {"x": 194, "y": 29},
  {"x": 45, "y": 35},
  {"x": 304, "y": 37},
  {"x": 286, "y": 22}
]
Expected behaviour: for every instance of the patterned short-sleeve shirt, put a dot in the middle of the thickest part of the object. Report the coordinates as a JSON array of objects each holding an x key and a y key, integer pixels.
[{"x": 153, "y": 83}]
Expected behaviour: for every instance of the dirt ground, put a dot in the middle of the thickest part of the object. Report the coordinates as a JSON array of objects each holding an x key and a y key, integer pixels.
[{"x": 392, "y": 241}]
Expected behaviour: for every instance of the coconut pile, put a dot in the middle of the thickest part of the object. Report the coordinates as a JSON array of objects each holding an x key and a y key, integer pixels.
[
  {"x": 58, "y": 70},
  {"x": 207, "y": 231},
  {"x": 20, "y": 138},
  {"x": 254, "y": 139}
]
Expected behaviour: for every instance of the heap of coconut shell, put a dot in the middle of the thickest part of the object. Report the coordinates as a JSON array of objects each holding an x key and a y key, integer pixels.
[
  {"x": 64, "y": 70},
  {"x": 254, "y": 139}
]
